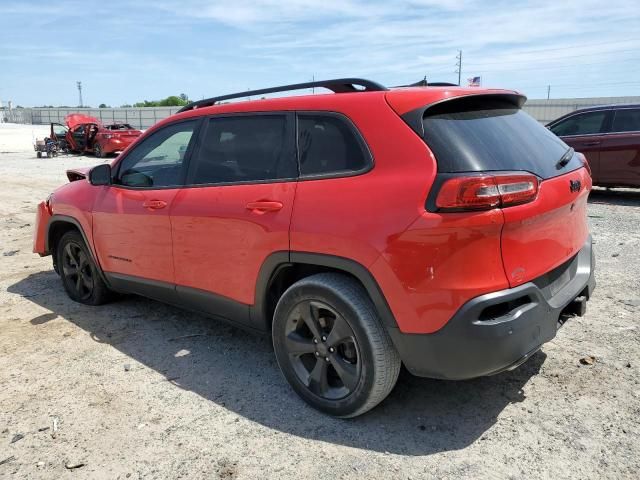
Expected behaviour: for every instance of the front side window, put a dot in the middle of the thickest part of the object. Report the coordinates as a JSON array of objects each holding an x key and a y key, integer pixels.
[
  {"x": 582, "y": 124},
  {"x": 328, "y": 144},
  {"x": 626, "y": 120},
  {"x": 157, "y": 160},
  {"x": 59, "y": 130},
  {"x": 245, "y": 148}
]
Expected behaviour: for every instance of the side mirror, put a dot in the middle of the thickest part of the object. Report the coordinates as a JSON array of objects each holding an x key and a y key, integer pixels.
[{"x": 100, "y": 175}]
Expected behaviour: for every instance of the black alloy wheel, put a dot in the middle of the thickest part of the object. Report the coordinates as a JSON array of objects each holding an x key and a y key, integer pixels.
[
  {"x": 323, "y": 350},
  {"x": 76, "y": 270},
  {"x": 331, "y": 345},
  {"x": 80, "y": 276}
]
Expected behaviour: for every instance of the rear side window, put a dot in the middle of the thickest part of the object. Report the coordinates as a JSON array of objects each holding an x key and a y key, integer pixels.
[
  {"x": 626, "y": 120},
  {"x": 329, "y": 144},
  {"x": 483, "y": 134},
  {"x": 245, "y": 148},
  {"x": 582, "y": 124}
]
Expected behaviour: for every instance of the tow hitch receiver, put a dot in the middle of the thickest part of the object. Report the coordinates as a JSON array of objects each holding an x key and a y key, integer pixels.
[{"x": 577, "y": 307}]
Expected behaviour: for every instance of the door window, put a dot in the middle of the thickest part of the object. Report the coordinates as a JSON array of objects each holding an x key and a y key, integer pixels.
[
  {"x": 59, "y": 130},
  {"x": 626, "y": 120},
  {"x": 157, "y": 160},
  {"x": 581, "y": 124},
  {"x": 245, "y": 148},
  {"x": 328, "y": 144}
]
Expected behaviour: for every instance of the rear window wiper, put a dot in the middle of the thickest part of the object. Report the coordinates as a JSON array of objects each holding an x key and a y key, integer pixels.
[{"x": 566, "y": 158}]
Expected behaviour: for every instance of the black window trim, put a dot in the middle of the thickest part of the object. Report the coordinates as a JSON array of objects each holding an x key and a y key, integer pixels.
[
  {"x": 368, "y": 156},
  {"x": 185, "y": 162},
  {"x": 613, "y": 119},
  {"x": 289, "y": 115},
  {"x": 607, "y": 123}
]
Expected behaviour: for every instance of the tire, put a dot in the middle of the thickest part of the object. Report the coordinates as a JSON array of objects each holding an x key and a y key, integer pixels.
[
  {"x": 353, "y": 366},
  {"x": 97, "y": 151},
  {"x": 80, "y": 276},
  {"x": 39, "y": 154}
]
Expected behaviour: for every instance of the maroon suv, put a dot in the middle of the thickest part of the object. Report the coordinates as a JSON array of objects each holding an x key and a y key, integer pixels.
[{"x": 609, "y": 136}]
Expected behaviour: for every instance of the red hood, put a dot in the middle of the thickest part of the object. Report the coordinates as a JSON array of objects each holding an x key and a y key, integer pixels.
[{"x": 74, "y": 119}]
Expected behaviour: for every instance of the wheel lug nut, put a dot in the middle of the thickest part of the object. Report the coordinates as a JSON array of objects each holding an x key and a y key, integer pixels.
[
  {"x": 326, "y": 359},
  {"x": 331, "y": 349},
  {"x": 315, "y": 340},
  {"x": 317, "y": 354},
  {"x": 324, "y": 339}
]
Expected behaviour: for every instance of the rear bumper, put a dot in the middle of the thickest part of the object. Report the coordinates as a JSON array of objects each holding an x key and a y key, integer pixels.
[{"x": 500, "y": 330}]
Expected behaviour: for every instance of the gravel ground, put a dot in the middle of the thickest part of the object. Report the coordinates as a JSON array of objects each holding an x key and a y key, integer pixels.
[{"x": 133, "y": 396}]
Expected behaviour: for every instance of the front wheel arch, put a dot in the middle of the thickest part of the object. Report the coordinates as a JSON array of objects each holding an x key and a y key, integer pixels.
[{"x": 57, "y": 227}]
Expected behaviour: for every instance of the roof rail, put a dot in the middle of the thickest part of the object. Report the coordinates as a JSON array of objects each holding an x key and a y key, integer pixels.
[{"x": 338, "y": 85}]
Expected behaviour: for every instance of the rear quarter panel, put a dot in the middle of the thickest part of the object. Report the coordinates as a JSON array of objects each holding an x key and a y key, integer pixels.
[{"x": 356, "y": 217}]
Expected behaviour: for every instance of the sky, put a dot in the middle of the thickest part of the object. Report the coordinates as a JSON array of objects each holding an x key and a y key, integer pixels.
[{"x": 129, "y": 51}]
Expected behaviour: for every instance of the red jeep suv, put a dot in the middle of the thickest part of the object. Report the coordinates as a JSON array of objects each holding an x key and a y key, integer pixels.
[{"x": 437, "y": 227}]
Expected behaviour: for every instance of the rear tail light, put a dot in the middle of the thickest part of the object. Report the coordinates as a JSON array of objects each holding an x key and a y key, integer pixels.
[{"x": 486, "y": 192}]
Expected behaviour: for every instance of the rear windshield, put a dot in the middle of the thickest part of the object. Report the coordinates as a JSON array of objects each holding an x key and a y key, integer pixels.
[{"x": 483, "y": 134}]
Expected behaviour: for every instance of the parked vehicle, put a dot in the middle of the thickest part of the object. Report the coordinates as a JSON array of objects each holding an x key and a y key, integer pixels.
[
  {"x": 85, "y": 134},
  {"x": 609, "y": 136},
  {"x": 438, "y": 227},
  {"x": 47, "y": 146}
]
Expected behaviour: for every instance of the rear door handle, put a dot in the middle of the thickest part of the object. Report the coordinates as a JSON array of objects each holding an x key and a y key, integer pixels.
[
  {"x": 264, "y": 206},
  {"x": 154, "y": 204},
  {"x": 591, "y": 144}
]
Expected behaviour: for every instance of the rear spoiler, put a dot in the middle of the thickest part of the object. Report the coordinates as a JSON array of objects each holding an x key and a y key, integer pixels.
[{"x": 413, "y": 118}]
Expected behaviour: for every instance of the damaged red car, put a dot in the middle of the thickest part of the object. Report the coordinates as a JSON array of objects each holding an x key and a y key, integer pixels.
[{"x": 85, "y": 134}]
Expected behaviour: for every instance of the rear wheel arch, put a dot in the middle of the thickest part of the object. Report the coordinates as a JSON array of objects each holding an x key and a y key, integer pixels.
[
  {"x": 57, "y": 227},
  {"x": 282, "y": 269}
]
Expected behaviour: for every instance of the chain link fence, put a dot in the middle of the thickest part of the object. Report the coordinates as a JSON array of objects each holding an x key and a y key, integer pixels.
[
  {"x": 140, "y": 118},
  {"x": 542, "y": 110}
]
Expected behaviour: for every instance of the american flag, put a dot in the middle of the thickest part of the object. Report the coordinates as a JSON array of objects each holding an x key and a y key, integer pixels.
[{"x": 474, "y": 81}]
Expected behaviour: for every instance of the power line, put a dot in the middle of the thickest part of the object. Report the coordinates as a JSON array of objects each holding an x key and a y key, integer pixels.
[
  {"x": 635, "y": 50},
  {"x": 543, "y": 67},
  {"x": 581, "y": 85},
  {"x": 577, "y": 46}
]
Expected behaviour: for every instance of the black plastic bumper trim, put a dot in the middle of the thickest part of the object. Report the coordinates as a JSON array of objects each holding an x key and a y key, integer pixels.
[{"x": 471, "y": 345}]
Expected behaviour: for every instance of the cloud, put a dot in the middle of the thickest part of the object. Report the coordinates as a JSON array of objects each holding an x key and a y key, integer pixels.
[{"x": 204, "y": 47}]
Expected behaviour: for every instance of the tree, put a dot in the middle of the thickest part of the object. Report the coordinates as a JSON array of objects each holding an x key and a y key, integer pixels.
[
  {"x": 103, "y": 105},
  {"x": 171, "y": 101}
]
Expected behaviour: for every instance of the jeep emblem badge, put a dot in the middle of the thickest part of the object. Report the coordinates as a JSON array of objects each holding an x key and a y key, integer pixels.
[{"x": 575, "y": 185}]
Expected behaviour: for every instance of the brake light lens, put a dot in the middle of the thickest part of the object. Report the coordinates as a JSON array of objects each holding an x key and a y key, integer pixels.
[{"x": 486, "y": 192}]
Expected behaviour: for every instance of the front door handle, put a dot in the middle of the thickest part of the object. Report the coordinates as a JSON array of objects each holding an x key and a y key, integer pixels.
[
  {"x": 264, "y": 206},
  {"x": 591, "y": 144},
  {"x": 154, "y": 204}
]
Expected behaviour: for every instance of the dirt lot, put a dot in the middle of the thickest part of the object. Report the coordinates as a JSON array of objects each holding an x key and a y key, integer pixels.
[{"x": 131, "y": 399}]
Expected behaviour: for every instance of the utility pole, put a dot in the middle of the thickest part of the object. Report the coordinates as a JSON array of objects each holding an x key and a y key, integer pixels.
[
  {"x": 548, "y": 91},
  {"x": 459, "y": 64},
  {"x": 79, "y": 83},
  {"x": 313, "y": 89}
]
